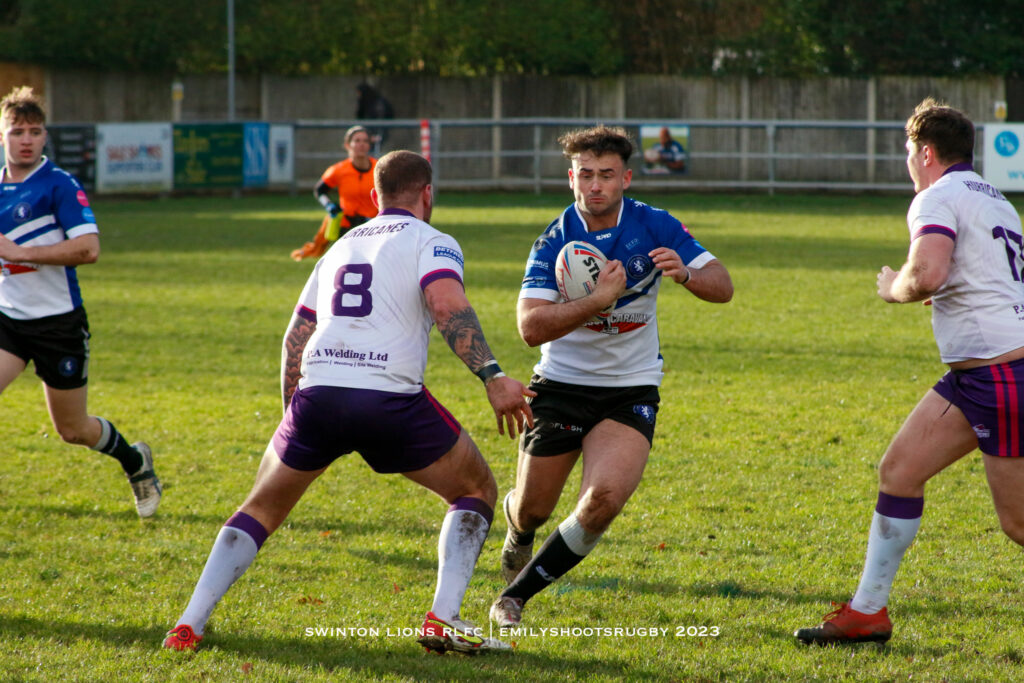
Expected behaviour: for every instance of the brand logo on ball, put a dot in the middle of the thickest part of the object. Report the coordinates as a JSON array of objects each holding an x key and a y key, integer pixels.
[{"x": 1006, "y": 144}]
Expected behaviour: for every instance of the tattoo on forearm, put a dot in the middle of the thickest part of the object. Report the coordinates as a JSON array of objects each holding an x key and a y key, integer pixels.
[
  {"x": 291, "y": 356},
  {"x": 463, "y": 334}
]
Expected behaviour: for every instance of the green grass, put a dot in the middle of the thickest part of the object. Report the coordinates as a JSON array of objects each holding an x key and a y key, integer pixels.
[{"x": 752, "y": 515}]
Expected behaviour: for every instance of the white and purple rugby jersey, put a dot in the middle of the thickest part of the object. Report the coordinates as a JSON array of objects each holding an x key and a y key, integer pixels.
[
  {"x": 623, "y": 350},
  {"x": 366, "y": 297},
  {"x": 979, "y": 311},
  {"x": 46, "y": 208}
]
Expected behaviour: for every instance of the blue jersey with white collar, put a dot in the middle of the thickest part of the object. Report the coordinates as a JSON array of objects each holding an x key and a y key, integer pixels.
[
  {"x": 624, "y": 349},
  {"x": 47, "y": 207}
]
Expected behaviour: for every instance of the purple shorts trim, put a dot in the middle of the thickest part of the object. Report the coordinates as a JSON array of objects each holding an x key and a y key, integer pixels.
[
  {"x": 393, "y": 432},
  {"x": 474, "y": 505},
  {"x": 900, "y": 508},
  {"x": 990, "y": 397},
  {"x": 249, "y": 525}
]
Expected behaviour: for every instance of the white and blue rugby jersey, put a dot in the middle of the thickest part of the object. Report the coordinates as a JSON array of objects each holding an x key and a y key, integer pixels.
[
  {"x": 624, "y": 349},
  {"x": 47, "y": 207},
  {"x": 366, "y": 297},
  {"x": 978, "y": 312}
]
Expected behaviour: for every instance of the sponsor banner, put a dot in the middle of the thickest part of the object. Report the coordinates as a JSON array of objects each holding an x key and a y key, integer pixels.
[
  {"x": 208, "y": 155},
  {"x": 256, "y": 157},
  {"x": 282, "y": 155},
  {"x": 1004, "y": 158},
  {"x": 134, "y": 157},
  {"x": 73, "y": 148}
]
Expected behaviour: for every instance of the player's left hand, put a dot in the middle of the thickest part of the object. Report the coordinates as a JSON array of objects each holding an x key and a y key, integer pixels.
[
  {"x": 507, "y": 397},
  {"x": 668, "y": 261}
]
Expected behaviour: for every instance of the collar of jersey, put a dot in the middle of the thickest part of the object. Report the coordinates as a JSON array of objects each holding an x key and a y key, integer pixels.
[
  {"x": 962, "y": 166},
  {"x": 397, "y": 212}
]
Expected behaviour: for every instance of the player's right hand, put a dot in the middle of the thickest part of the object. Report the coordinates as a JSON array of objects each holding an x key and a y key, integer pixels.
[
  {"x": 611, "y": 280},
  {"x": 508, "y": 399}
]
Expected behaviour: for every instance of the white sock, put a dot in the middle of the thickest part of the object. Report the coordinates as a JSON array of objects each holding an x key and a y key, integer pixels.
[
  {"x": 462, "y": 536},
  {"x": 232, "y": 553},
  {"x": 889, "y": 539},
  {"x": 579, "y": 540}
]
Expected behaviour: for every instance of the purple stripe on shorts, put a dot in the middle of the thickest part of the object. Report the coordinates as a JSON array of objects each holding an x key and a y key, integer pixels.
[
  {"x": 249, "y": 525},
  {"x": 474, "y": 505},
  {"x": 936, "y": 230},
  {"x": 305, "y": 313},
  {"x": 435, "y": 275},
  {"x": 900, "y": 508}
]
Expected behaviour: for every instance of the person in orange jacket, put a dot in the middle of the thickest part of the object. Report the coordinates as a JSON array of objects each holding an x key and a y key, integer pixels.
[{"x": 353, "y": 179}]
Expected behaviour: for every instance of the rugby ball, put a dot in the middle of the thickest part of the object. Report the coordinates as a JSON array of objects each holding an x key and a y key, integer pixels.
[{"x": 576, "y": 269}]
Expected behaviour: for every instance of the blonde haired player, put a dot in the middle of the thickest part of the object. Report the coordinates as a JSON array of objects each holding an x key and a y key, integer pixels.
[{"x": 46, "y": 230}]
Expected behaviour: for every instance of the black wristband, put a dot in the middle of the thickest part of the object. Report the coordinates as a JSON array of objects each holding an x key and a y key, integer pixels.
[{"x": 488, "y": 370}]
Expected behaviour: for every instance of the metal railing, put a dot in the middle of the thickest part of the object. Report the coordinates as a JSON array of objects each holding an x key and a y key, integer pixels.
[{"x": 522, "y": 153}]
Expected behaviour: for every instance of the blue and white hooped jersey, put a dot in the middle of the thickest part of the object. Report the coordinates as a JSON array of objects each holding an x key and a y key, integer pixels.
[
  {"x": 47, "y": 207},
  {"x": 366, "y": 297},
  {"x": 978, "y": 312},
  {"x": 624, "y": 349}
]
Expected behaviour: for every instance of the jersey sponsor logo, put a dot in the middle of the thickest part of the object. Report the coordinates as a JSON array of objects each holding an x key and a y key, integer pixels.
[
  {"x": 535, "y": 263},
  {"x": 22, "y": 212},
  {"x": 982, "y": 431},
  {"x": 614, "y": 328},
  {"x": 639, "y": 266},
  {"x": 88, "y": 215},
  {"x": 82, "y": 199},
  {"x": 529, "y": 282},
  {"x": 619, "y": 323},
  {"x": 448, "y": 252},
  {"x": 645, "y": 411},
  {"x": 561, "y": 426},
  {"x": 16, "y": 269},
  {"x": 603, "y": 237}
]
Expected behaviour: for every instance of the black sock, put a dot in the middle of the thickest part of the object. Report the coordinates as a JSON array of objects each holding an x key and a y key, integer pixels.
[
  {"x": 521, "y": 537},
  {"x": 114, "y": 445},
  {"x": 553, "y": 560}
]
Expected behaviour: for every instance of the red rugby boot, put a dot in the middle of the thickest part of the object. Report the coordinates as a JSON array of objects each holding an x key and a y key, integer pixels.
[
  {"x": 846, "y": 625},
  {"x": 182, "y": 637}
]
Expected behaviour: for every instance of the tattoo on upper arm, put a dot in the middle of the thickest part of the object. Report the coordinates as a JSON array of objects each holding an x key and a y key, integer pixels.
[
  {"x": 463, "y": 333},
  {"x": 291, "y": 355}
]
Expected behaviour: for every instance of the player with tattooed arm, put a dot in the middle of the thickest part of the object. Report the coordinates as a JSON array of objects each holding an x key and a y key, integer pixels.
[{"x": 352, "y": 380}]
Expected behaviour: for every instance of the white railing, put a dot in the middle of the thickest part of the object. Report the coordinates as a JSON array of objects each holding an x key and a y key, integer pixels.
[{"x": 723, "y": 154}]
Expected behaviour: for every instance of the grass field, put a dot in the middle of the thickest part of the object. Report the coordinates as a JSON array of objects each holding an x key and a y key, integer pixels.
[{"x": 752, "y": 516}]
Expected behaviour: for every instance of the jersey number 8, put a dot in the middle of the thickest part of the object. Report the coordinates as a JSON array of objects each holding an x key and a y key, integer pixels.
[{"x": 360, "y": 288}]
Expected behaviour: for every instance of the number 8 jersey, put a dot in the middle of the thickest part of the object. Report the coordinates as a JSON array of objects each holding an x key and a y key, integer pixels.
[
  {"x": 978, "y": 312},
  {"x": 366, "y": 297}
]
